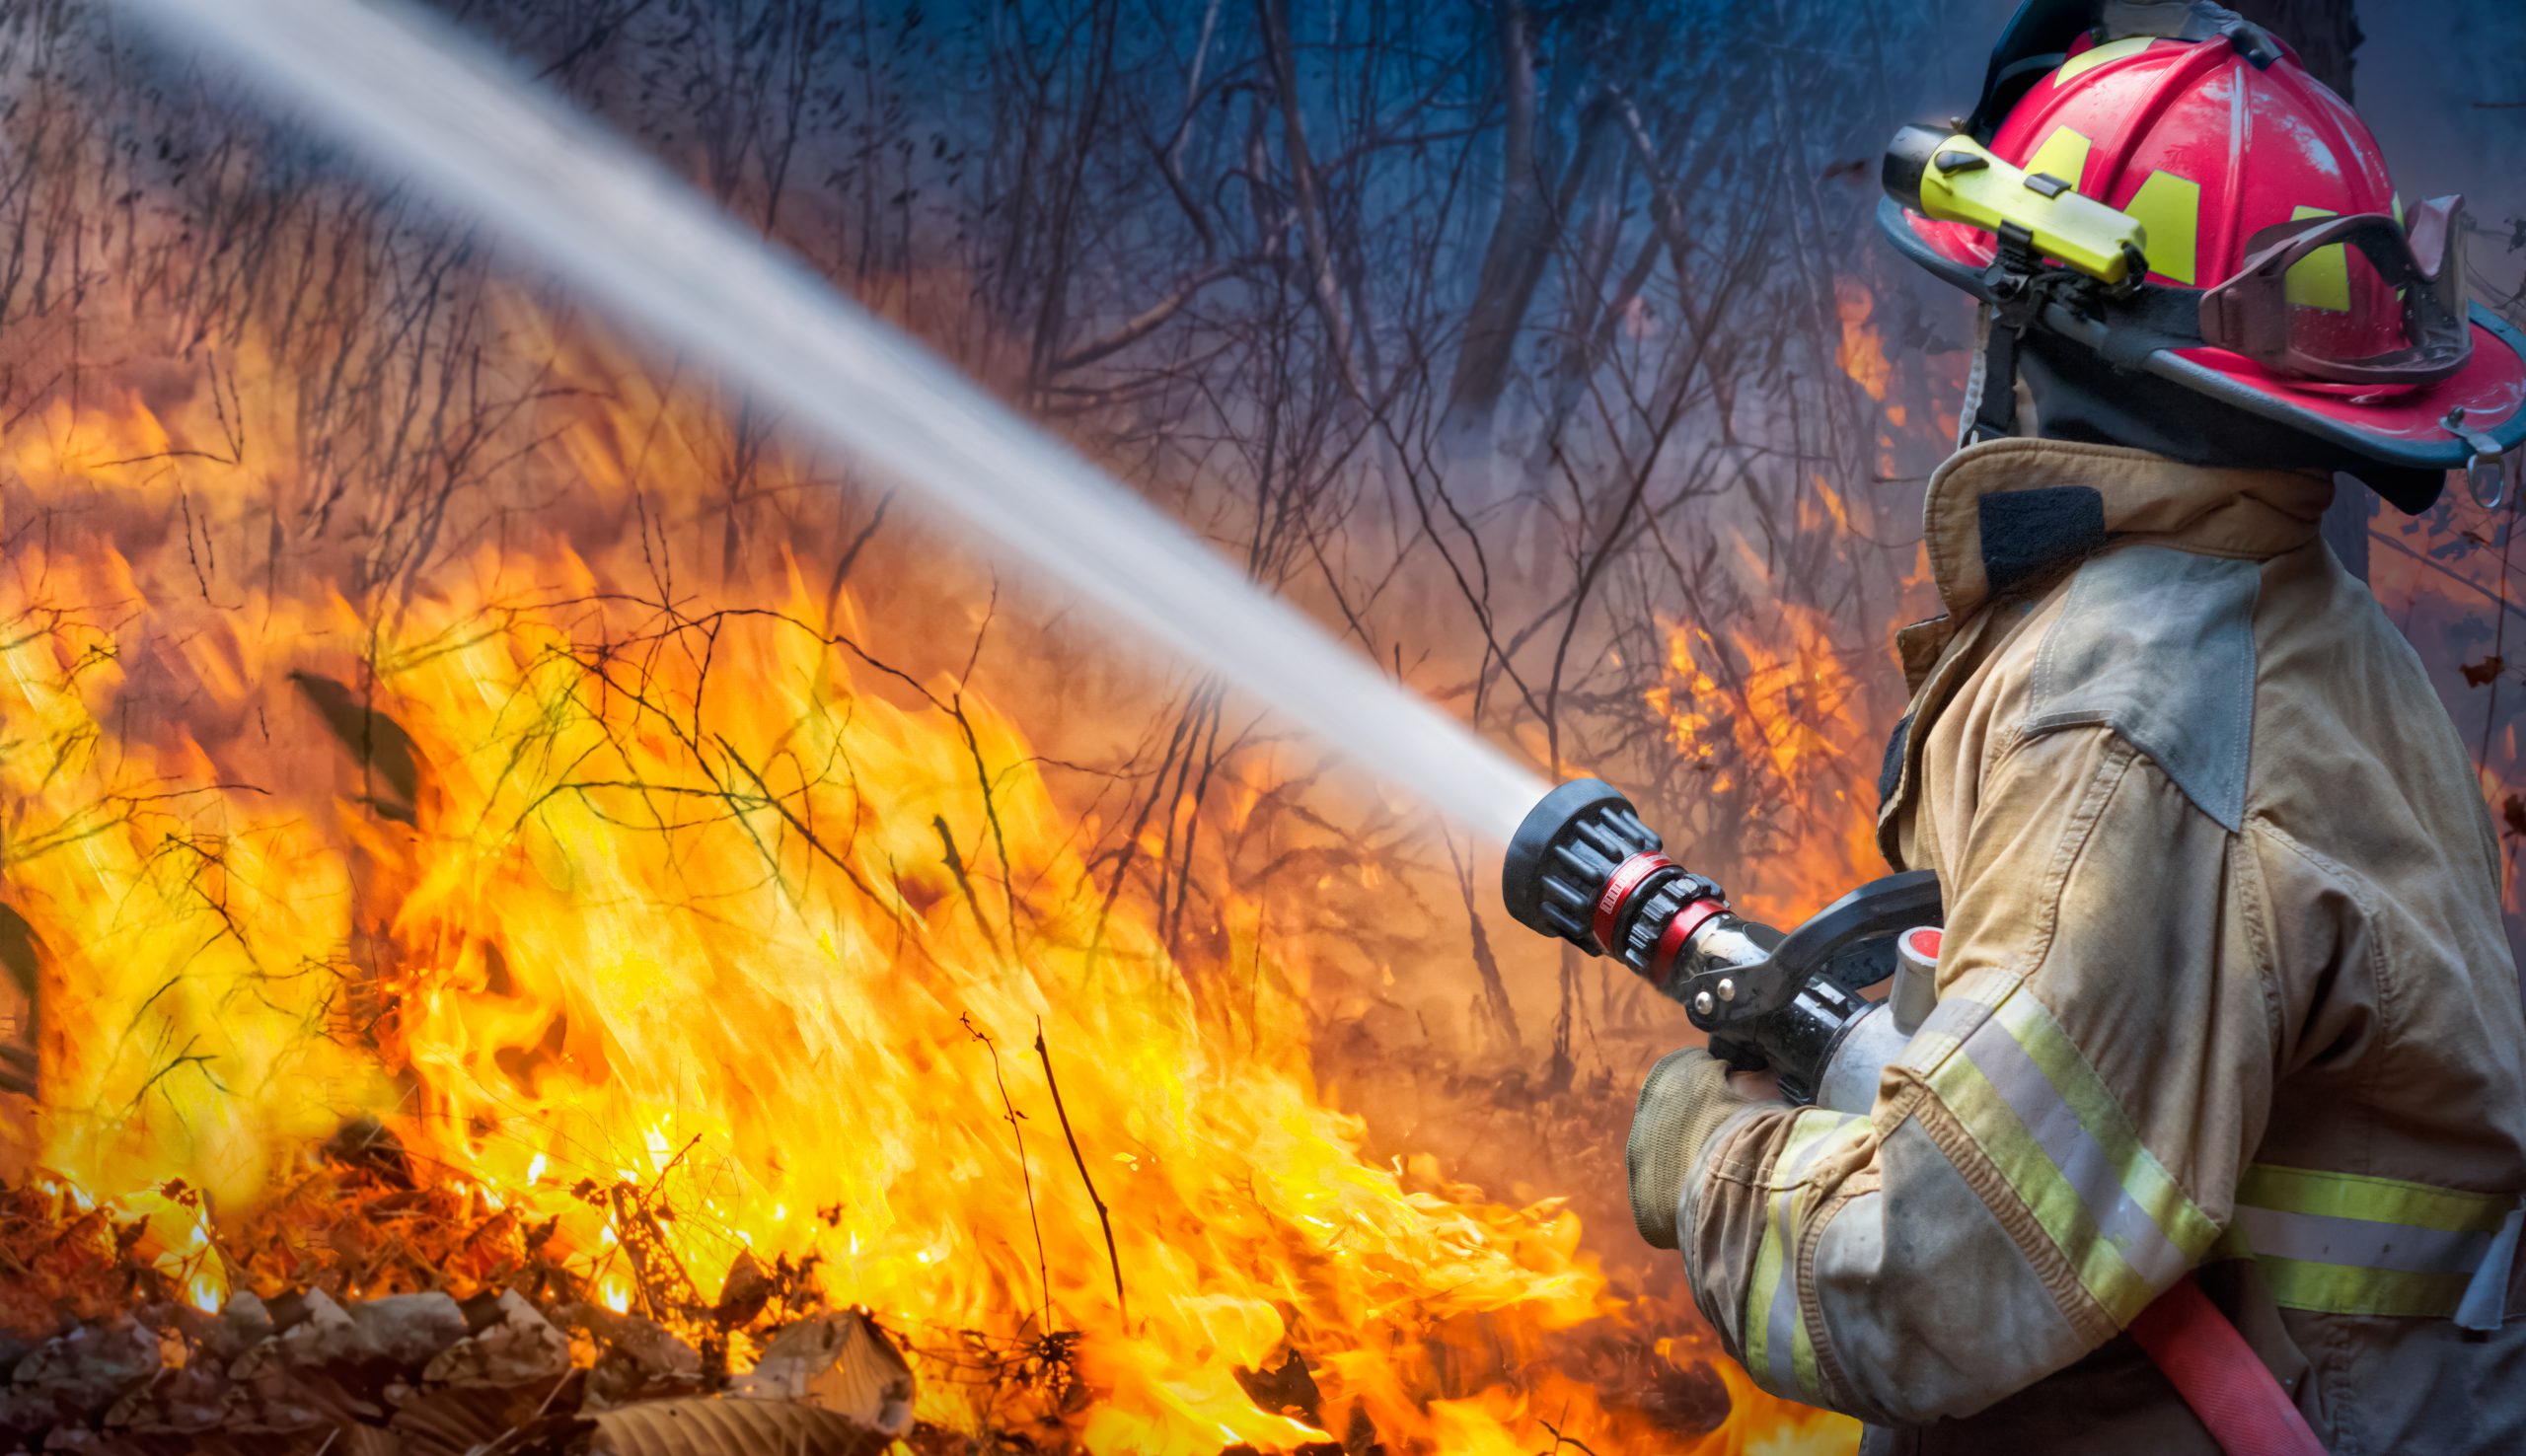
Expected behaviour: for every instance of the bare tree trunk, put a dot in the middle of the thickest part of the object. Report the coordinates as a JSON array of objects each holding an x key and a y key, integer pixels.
[
  {"x": 2327, "y": 37},
  {"x": 1514, "y": 262},
  {"x": 2325, "y": 33},
  {"x": 1346, "y": 333}
]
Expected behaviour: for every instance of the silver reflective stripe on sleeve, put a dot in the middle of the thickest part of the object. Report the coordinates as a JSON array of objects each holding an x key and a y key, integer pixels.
[
  {"x": 1924, "y": 1296},
  {"x": 1778, "y": 1350},
  {"x": 2349, "y": 1243},
  {"x": 2096, "y": 1176},
  {"x": 2055, "y": 1132},
  {"x": 2323, "y": 1239}
]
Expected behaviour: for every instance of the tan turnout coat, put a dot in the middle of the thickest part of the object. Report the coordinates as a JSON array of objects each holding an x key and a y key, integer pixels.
[{"x": 2224, "y": 986}]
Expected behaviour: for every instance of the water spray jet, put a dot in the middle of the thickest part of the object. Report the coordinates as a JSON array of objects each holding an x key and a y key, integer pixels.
[
  {"x": 1581, "y": 867},
  {"x": 415, "y": 95}
]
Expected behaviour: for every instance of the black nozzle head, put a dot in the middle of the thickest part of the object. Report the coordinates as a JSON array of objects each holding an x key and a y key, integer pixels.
[
  {"x": 1562, "y": 853},
  {"x": 1908, "y": 159}
]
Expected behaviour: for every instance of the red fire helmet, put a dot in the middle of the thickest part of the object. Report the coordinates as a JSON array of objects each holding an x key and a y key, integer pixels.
[{"x": 2285, "y": 276}]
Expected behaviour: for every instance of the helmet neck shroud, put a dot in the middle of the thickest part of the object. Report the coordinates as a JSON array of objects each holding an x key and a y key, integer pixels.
[{"x": 2080, "y": 396}]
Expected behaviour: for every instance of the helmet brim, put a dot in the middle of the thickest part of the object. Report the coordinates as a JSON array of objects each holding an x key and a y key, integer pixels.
[{"x": 2409, "y": 427}]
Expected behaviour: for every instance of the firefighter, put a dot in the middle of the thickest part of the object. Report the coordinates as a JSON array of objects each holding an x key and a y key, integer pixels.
[{"x": 2216, "y": 1137}]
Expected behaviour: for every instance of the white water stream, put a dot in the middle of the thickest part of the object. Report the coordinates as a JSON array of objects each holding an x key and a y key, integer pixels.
[{"x": 417, "y": 97}]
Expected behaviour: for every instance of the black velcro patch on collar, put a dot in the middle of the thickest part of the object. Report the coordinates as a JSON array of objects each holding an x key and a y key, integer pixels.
[
  {"x": 1889, "y": 772},
  {"x": 2027, "y": 533}
]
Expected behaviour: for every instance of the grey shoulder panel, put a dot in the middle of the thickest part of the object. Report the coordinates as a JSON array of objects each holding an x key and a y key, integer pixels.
[{"x": 2158, "y": 644}]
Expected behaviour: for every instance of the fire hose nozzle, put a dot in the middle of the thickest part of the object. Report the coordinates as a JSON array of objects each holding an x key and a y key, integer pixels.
[{"x": 1582, "y": 868}]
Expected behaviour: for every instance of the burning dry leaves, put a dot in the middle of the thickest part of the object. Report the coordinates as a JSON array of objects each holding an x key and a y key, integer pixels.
[
  {"x": 625, "y": 1034},
  {"x": 423, "y": 1375},
  {"x": 838, "y": 1363},
  {"x": 499, "y": 1356},
  {"x": 133, "y": 1369}
]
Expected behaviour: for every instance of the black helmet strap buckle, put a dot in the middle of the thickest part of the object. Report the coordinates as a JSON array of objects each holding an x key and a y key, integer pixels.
[{"x": 2020, "y": 285}]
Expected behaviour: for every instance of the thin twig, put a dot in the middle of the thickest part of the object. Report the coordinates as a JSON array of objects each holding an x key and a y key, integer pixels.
[
  {"x": 1044, "y": 1054},
  {"x": 1043, "y": 1267},
  {"x": 955, "y": 863},
  {"x": 2380, "y": 537}
]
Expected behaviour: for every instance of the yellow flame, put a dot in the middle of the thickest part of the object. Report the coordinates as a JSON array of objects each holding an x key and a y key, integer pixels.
[
  {"x": 671, "y": 931},
  {"x": 1779, "y": 699}
]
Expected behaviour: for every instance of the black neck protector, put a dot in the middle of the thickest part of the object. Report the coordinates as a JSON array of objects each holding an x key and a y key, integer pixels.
[{"x": 2079, "y": 396}]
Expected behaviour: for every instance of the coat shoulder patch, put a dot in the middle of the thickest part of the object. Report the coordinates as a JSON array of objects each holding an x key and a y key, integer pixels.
[{"x": 2158, "y": 645}]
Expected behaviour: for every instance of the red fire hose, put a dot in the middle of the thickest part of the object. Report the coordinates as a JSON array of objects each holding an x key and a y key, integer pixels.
[{"x": 2220, "y": 1377}]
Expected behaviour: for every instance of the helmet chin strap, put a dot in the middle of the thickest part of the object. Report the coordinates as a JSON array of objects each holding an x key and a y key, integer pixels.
[
  {"x": 2079, "y": 395},
  {"x": 1977, "y": 378},
  {"x": 1990, "y": 409}
]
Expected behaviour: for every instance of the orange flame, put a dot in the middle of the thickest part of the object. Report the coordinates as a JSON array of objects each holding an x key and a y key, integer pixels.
[
  {"x": 1863, "y": 354},
  {"x": 1774, "y": 717},
  {"x": 685, "y": 929}
]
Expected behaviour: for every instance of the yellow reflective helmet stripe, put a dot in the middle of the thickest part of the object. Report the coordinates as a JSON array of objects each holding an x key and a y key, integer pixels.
[
  {"x": 2169, "y": 208},
  {"x": 2322, "y": 279},
  {"x": 2346, "y": 1243},
  {"x": 2099, "y": 55},
  {"x": 2063, "y": 1144},
  {"x": 2064, "y": 153},
  {"x": 1779, "y": 1346}
]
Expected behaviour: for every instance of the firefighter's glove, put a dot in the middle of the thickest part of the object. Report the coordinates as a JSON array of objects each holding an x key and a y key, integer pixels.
[{"x": 1685, "y": 1103}]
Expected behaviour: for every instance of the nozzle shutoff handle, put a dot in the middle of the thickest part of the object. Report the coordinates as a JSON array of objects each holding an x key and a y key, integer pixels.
[{"x": 1582, "y": 868}]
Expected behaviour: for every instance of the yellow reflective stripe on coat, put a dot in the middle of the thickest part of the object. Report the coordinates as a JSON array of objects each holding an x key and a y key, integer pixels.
[
  {"x": 2063, "y": 1142},
  {"x": 2345, "y": 1242},
  {"x": 1777, "y": 1344}
]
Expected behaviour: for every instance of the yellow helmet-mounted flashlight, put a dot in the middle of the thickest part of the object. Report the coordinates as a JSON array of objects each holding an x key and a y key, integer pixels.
[{"x": 1951, "y": 177}]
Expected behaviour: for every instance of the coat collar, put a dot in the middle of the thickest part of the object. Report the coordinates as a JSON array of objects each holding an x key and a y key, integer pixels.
[
  {"x": 2012, "y": 513},
  {"x": 2007, "y": 512}
]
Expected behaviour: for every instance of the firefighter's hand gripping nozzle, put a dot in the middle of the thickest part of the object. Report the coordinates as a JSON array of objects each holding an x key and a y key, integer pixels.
[{"x": 1582, "y": 868}]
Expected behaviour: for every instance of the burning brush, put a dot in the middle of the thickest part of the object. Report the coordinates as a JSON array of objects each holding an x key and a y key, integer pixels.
[
  {"x": 426, "y": 1374},
  {"x": 1584, "y": 869}
]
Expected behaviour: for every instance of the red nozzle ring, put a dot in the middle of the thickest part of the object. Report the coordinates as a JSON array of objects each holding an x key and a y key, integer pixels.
[
  {"x": 1620, "y": 886},
  {"x": 1662, "y": 960}
]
